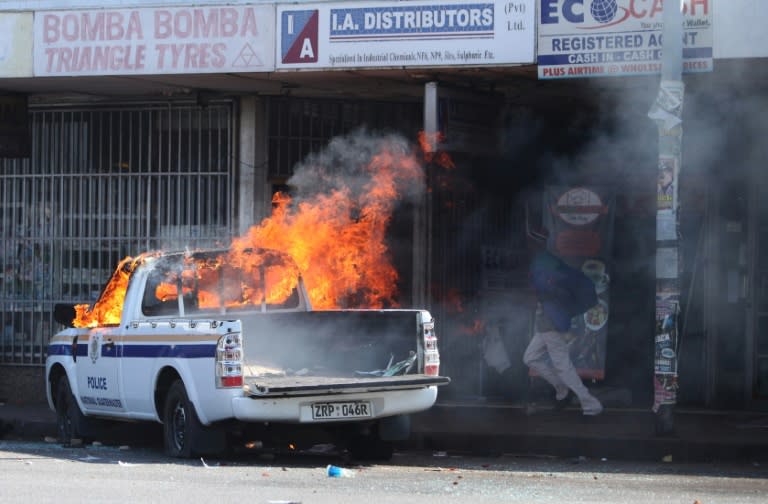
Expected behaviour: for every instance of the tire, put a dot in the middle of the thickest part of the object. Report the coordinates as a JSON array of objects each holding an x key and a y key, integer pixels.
[
  {"x": 183, "y": 434},
  {"x": 70, "y": 421},
  {"x": 179, "y": 422}
]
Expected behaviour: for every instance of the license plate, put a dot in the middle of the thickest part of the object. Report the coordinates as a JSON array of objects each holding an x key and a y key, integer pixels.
[{"x": 334, "y": 410}]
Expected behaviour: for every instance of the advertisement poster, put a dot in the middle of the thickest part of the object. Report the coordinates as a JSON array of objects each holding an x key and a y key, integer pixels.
[
  {"x": 597, "y": 38},
  {"x": 665, "y": 186},
  {"x": 580, "y": 225},
  {"x": 665, "y": 351},
  {"x": 405, "y": 34},
  {"x": 183, "y": 40}
]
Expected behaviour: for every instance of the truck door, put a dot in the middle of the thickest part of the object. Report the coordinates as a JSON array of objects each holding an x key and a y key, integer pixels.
[{"x": 98, "y": 372}]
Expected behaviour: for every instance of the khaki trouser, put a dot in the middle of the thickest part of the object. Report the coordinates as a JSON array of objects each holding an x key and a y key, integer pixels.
[{"x": 558, "y": 369}]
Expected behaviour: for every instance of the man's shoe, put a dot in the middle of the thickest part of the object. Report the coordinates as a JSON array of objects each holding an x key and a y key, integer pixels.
[
  {"x": 561, "y": 404},
  {"x": 591, "y": 406},
  {"x": 593, "y": 411}
]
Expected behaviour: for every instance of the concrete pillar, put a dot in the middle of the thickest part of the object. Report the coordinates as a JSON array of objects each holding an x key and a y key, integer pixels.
[
  {"x": 254, "y": 193},
  {"x": 422, "y": 214}
]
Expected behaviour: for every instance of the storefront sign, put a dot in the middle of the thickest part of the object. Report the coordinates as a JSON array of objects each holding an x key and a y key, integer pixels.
[
  {"x": 186, "y": 40},
  {"x": 592, "y": 38},
  {"x": 15, "y": 44},
  {"x": 405, "y": 34}
]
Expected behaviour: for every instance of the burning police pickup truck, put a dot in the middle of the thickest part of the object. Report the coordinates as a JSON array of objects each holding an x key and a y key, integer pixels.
[{"x": 222, "y": 347}]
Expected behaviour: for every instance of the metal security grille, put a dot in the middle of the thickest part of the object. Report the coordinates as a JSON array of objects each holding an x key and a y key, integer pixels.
[
  {"x": 299, "y": 127},
  {"x": 103, "y": 183}
]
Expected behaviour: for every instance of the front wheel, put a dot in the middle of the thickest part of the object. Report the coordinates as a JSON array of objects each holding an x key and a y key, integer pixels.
[{"x": 70, "y": 421}]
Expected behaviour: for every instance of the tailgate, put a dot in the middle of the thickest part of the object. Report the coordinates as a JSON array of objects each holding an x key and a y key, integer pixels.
[{"x": 320, "y": 385}]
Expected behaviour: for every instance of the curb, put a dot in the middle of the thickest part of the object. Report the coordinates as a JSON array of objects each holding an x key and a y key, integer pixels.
[
  {"x": 29, "y": 429},
  {"x": 660, "y": 449}
]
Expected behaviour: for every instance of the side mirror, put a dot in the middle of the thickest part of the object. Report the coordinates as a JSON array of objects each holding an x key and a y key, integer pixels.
[{"x": 64, "y": 314}]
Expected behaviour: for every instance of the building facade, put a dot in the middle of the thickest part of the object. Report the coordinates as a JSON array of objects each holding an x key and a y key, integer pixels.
[{"x": 133, "y": 126}]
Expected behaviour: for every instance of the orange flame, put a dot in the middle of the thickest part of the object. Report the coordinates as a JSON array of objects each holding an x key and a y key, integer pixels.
[
  {"x": 166, "y": 292},
  {"x": 109, "y": 307},
  {"x": 336, "y": 240},
  {"x": 429, "y": 142},
  {"x": 235, "y": 278}
]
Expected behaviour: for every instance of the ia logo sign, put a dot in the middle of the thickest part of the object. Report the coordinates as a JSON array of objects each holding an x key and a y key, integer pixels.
[{"x": 298, "y": 41}]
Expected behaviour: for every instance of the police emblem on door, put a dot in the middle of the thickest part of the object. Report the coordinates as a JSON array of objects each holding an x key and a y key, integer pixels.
[{"x": 94, "y": 348}]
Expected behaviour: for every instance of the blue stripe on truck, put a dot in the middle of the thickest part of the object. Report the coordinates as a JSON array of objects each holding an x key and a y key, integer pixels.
[
  {"x": 176, "y": 350},
  {"x": 182, "y": 351}
]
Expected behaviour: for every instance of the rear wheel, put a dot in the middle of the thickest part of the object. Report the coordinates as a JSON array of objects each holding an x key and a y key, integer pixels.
[
  {"x": 178, "y": 422},
  {"x": 70, "y": 421},
  {"x": 183, "y": 434}
]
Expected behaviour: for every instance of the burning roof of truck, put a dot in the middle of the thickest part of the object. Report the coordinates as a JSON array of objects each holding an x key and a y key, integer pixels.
[{"x": 216, "y": 279}]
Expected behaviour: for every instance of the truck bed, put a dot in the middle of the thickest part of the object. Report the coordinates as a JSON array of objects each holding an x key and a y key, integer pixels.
[{"x": 340, "y": 342}]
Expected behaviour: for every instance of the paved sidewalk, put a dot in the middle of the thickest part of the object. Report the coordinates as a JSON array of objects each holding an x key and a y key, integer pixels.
[
  {"x": 620, "y": 433},
  {"x": 33, "y": 420},
  {"x": 477, "y": 427}
]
